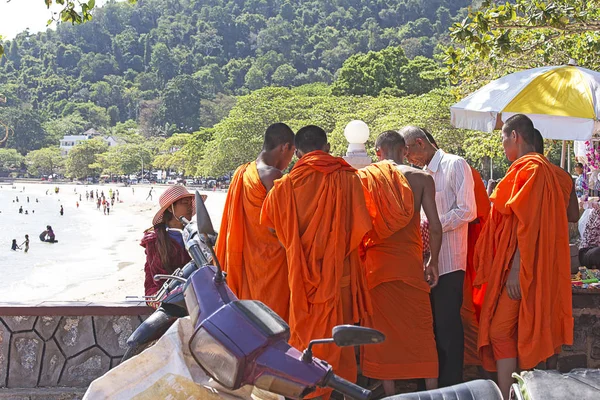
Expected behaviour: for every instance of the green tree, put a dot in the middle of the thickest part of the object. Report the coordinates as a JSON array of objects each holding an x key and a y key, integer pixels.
[
  {"x": 503, "y": 38},
  {"x": 10, "y": 159},
  {"x": 284, "y": 75},
  {"x": 46, "y": 161},
  {"x": 82, "y": 159},
  {"x": 368, "y": 74}
]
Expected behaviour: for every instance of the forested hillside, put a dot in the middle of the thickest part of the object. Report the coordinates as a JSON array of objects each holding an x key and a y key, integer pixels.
[{"x": 167, "y": 66}]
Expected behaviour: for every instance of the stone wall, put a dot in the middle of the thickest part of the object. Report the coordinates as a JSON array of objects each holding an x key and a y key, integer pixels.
[
  {"x": 62, "y": 347},
  {"x": 585, "y": 352},
  {"x": 63, "y": 344}
]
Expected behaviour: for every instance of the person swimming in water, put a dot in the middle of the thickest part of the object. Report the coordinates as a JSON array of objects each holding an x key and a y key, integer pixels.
[{"x": 48, "y": 235}]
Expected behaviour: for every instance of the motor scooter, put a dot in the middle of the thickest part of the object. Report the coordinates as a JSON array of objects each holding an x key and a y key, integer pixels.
[
  {"x": 243, "y": 342},
  {"x": 170, "y": 301}
]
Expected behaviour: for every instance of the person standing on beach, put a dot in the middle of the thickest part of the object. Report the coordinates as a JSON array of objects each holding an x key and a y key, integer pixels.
[
  {"x": 77, "y": 203},
  {"x": 21, "y": 210},
  {"x": 243, "y": 242},
  {"x": 62, "y": 211},
  {"x": 28, "y": 199},
  {"x": 107, "y": 207},
  {"x": 150, "y": 194},
  {"x": 104, "y": 205},
  {"x": 26, "y": 243}
]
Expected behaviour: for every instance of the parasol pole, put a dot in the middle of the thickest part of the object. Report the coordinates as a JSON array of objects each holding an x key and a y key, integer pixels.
[
  {"x": 569, "y": 157},
  {"x": 491, "y": 168},
  {"x": 563, "y": 154}
]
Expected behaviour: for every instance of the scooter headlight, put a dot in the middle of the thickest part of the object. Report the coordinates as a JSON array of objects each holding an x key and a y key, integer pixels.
[{"x": 216, "y": 360}]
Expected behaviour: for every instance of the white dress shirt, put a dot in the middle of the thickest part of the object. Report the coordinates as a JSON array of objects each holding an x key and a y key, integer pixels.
[{"x": 455, "y": 201}]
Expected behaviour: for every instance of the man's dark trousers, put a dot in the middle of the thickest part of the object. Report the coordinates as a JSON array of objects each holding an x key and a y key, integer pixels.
[{"x": 446, "y": 302}]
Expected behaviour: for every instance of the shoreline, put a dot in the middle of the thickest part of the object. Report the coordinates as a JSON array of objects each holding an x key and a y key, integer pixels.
[{"x": 98, "y": 258}]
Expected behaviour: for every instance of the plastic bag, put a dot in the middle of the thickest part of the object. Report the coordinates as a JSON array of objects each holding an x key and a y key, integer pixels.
[{"x": 166, "y": 370}]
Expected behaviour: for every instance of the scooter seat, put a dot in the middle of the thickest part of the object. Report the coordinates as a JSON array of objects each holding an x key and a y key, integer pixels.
[{"x": 473, "y": 390}]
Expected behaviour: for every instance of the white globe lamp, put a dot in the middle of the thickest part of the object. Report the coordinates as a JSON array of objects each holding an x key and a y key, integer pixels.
[{"x": 357, "y": 134}]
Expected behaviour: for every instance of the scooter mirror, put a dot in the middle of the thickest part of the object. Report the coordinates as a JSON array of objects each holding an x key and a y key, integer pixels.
[
  {"x": 350, "y": 335},
  {"x": 202, "y": 218}
]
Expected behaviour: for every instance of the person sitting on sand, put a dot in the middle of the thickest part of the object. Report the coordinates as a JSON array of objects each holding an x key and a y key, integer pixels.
[
  {"x": 14, "y": 246},
  {"x": 165, "y": 249}
]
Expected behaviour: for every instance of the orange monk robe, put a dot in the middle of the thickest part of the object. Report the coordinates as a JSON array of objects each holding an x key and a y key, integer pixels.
[
  {"x": 251, "y": 255},
  {"x": 399, "y": 293},
  {"x": 319, "y": 213},
  {"x": 529, "y": 209},
  {"x": 473, "y": 297}
]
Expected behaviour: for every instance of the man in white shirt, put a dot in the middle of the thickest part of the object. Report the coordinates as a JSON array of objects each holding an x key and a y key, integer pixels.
[{"x": 455, "y": 201}]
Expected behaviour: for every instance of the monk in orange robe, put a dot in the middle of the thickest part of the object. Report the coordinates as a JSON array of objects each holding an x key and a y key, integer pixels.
[
  {"x": 251, "y": 255},
  {"x": 473, "y": 297},
  {"x": 573, "y": 205},
  {"x": 523, "y": 256},
  {"x": 319, "y": 214},
  {"x": 398, "y": 283}
]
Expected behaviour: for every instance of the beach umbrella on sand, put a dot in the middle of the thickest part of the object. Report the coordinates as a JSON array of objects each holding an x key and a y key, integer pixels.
[{"x": 562, "y": 101}]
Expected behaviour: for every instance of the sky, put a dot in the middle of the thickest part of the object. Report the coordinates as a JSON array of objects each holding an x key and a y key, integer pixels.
[{"x": 18, "y": 15}]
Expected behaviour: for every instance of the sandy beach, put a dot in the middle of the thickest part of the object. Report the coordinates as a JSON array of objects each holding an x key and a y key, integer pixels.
[{"x": 97, "y": 257}]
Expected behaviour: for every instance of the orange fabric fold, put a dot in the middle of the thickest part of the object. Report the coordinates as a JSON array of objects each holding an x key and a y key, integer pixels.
[
  {"x": 528, "y": 211},
  {"x": 391, "y": 205},
  {"x": 251, "y": 255},
  {"x": 320, "y": 216},
  {"x": 473, "y": 296},
  {"x": 393, "y": 254}
]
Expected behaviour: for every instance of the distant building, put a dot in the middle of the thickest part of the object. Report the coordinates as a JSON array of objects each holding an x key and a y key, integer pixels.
[{"x": 69, "y": 141}]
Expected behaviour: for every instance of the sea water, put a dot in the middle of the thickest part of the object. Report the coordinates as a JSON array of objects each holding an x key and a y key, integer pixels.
[{"x": 90, "y": 245}]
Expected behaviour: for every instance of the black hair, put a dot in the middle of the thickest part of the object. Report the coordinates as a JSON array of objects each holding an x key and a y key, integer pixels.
[
  {"x": 521, "y": 124},
  {"x": 276, "y": 135},
  {"x": 389, "y": 140},
  {"x": 538, "y": 141},
  {"x": 310, "y": 138},
  {"x": 578, "y": 165}
]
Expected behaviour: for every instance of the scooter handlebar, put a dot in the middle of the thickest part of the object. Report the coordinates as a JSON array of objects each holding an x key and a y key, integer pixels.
[{"x": 348, "y": 388}]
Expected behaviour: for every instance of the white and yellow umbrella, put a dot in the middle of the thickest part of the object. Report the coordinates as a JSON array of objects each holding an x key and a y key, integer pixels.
[{"x": 562, "y": 101}]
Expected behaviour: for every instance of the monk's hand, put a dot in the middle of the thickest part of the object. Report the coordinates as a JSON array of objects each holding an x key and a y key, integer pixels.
[
  {"x": 513, "y": 285},
  {"x": 431, "y": 273}
]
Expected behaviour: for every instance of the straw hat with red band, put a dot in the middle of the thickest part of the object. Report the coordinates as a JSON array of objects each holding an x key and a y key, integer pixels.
[{"x": 169, "y": 197}]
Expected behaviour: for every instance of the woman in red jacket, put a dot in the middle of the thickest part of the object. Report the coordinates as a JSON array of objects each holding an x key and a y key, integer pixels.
[{"x": 165, "y": 249}]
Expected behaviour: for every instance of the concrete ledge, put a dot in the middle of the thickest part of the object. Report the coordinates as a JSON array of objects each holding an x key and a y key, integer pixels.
[
  {"x": 74, "y": 308},
  {"x": 42, "y": 394}
]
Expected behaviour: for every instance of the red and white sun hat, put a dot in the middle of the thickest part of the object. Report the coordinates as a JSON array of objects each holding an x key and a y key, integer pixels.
[{"x": 169, "y": 197}]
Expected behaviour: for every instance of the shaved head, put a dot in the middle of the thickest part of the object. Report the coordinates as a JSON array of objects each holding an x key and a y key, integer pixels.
[
  {"x": 521, "y": 124},
  {"x": 311, "y": 138},
  {"x": 278, "y": 134},
  {"x": 389, "y": 140}
]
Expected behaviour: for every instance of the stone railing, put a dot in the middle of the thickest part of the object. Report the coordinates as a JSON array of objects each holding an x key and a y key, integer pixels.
[
  {"x": 585, "y": 352},
  {"x": 54, "y": 350},
  {"x": 63, "y": 345}
]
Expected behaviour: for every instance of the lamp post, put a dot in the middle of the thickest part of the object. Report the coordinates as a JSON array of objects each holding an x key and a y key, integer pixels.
[{"x": 357, "y": 134}]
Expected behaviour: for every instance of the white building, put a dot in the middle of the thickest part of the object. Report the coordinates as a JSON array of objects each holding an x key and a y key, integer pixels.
[{"x": 68, "y": 141}]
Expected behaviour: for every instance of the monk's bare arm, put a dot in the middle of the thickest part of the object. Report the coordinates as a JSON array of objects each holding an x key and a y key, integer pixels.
[
  {"x": 573, "y": 207},
  {"x": 268, "y": 176},
  {"x": 435, "y": 227}
]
